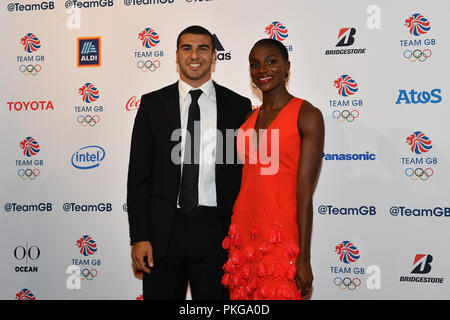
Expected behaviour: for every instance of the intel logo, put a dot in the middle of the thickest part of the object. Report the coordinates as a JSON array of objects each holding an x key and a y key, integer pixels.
[{"x": 88, "y": 157}]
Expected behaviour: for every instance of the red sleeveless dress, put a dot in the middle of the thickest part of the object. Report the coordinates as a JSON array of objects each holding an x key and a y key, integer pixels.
[{"x": 262, "y": 241}]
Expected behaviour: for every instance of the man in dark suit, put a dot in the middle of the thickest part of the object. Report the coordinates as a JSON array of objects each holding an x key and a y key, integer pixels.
[{"x": 181, "y": 184}]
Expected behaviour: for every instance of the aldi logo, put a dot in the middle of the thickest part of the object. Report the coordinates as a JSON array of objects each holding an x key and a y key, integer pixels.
[{"x": 89, "y": 52}]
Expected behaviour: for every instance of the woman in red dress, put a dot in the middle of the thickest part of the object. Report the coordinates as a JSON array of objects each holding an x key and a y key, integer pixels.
[{"x": 281, "y": 146}]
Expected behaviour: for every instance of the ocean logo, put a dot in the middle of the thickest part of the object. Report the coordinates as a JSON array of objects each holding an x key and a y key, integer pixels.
[
  {"x": 419, "y": 142},
  {"x": 29, "y": 146},
  {"x": 347, "y": 252},
  {"x": 30, "y": 43},
  {"x": 25, "y": 294},
  {"x": 277, "y": 31},
  {"x": 87, "y": 246},
  {"x": 417, "y": 24},
  {"x": 89, "y": 93},
  {"x": 346, "y": 85},
  {"x": 149, "y": 38},
  {"x": 88, "y": 157}
]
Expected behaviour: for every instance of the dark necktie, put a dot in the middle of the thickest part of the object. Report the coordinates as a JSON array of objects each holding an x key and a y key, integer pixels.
[{"x": 189, "y": 179}]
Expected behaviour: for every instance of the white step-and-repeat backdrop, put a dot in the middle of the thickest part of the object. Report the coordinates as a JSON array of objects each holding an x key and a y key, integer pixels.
[{"x": 72, "y": 75}]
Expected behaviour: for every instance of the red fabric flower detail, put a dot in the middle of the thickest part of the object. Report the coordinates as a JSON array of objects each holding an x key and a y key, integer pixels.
[
  {"x": 278, "y": 271},
  {"x": 275, "y": 235},
  {"x": 254, "y": 231},
  {"x": 292, "y": 250},
  {"x": 235, "y": 259},
  {"x": 291, "y": 272},
  {"x": 261, "y": 270},
  {"x": 249, "y": 253},
  {"x": 226, "y": 279},
  {"x": 264, "y": 248},
  {"x": 226, "y": 243},
  {"x": 245, "y": 272}
]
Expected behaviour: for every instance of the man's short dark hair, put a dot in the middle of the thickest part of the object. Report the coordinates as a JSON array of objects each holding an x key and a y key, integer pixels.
[{"x": 197, "y": 30}]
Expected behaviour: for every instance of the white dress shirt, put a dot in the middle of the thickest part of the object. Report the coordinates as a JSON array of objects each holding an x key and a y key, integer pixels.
[{"x": 208, "y": 126}]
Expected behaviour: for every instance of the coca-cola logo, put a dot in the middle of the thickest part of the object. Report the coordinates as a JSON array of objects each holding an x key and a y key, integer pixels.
[{"x": 133, "y": 103}]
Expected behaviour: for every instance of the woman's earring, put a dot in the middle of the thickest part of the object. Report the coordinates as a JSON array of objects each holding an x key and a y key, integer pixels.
[
  {"x": 254, "y": 85},
  {"x": 286, "y": 77}
]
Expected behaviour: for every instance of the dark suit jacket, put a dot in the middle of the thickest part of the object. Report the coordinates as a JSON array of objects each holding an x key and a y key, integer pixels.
[{"x": 154, "y": 179}]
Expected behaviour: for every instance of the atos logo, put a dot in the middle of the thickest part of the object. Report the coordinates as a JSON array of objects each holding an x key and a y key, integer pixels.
[
  {"x": 417, "y": 24},
  {"x": 419, "y": 142},
  {"x": 87, "y": 246},
  {"x": 25, "y": 294},
  {"x": 277, "y": 31},
  {"x": 89, "y": 93},
  {"x": 29, "y": 146},
  {"x": 30, "y": 43},
  {"x": 416, "y": 97},
  {"x": 88, "y": 157},
  {"x": 347, "y": 252},
  {"x": 149, "y": 38},
  {"x": 346, "y": 85}
]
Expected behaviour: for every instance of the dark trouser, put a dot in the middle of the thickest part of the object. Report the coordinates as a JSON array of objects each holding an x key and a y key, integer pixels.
[{"x": 194, "y": 255}]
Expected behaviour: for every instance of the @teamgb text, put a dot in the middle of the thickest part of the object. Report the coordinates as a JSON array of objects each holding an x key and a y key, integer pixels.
[
  {"x": 422, "y": 212},
  {"x": 267, "y": 152}
]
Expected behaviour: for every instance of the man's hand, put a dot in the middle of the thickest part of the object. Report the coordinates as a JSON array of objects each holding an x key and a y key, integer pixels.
[{"x": 140, "y": 250}]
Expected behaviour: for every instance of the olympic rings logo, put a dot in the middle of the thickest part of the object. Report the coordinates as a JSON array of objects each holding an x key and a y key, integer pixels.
[
  {"x": 28, "y": 174},
  {"x": 347, "y": 283},
  {"x": 30, "y": 69},
  {"x": 345, "y": 115},
  {"x": 148, "y": 65},
  {"x": 417, "y": 54},
  {"x": 419, "y": 173},
  {"x": 88, "y": 120},
  {"x": 86, "y": 274}
]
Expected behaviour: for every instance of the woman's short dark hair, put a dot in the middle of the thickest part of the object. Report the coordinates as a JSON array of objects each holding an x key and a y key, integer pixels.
[
  {"x": 197, "y": 30},
  {"x": 274, "y": 43}
]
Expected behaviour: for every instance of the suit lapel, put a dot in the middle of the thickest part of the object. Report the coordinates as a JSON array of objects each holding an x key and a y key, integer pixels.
[
  {"x": 221, "y": 114},
  {"x": 174, "y": 123},
  {"x": 222, "y": 117}
]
